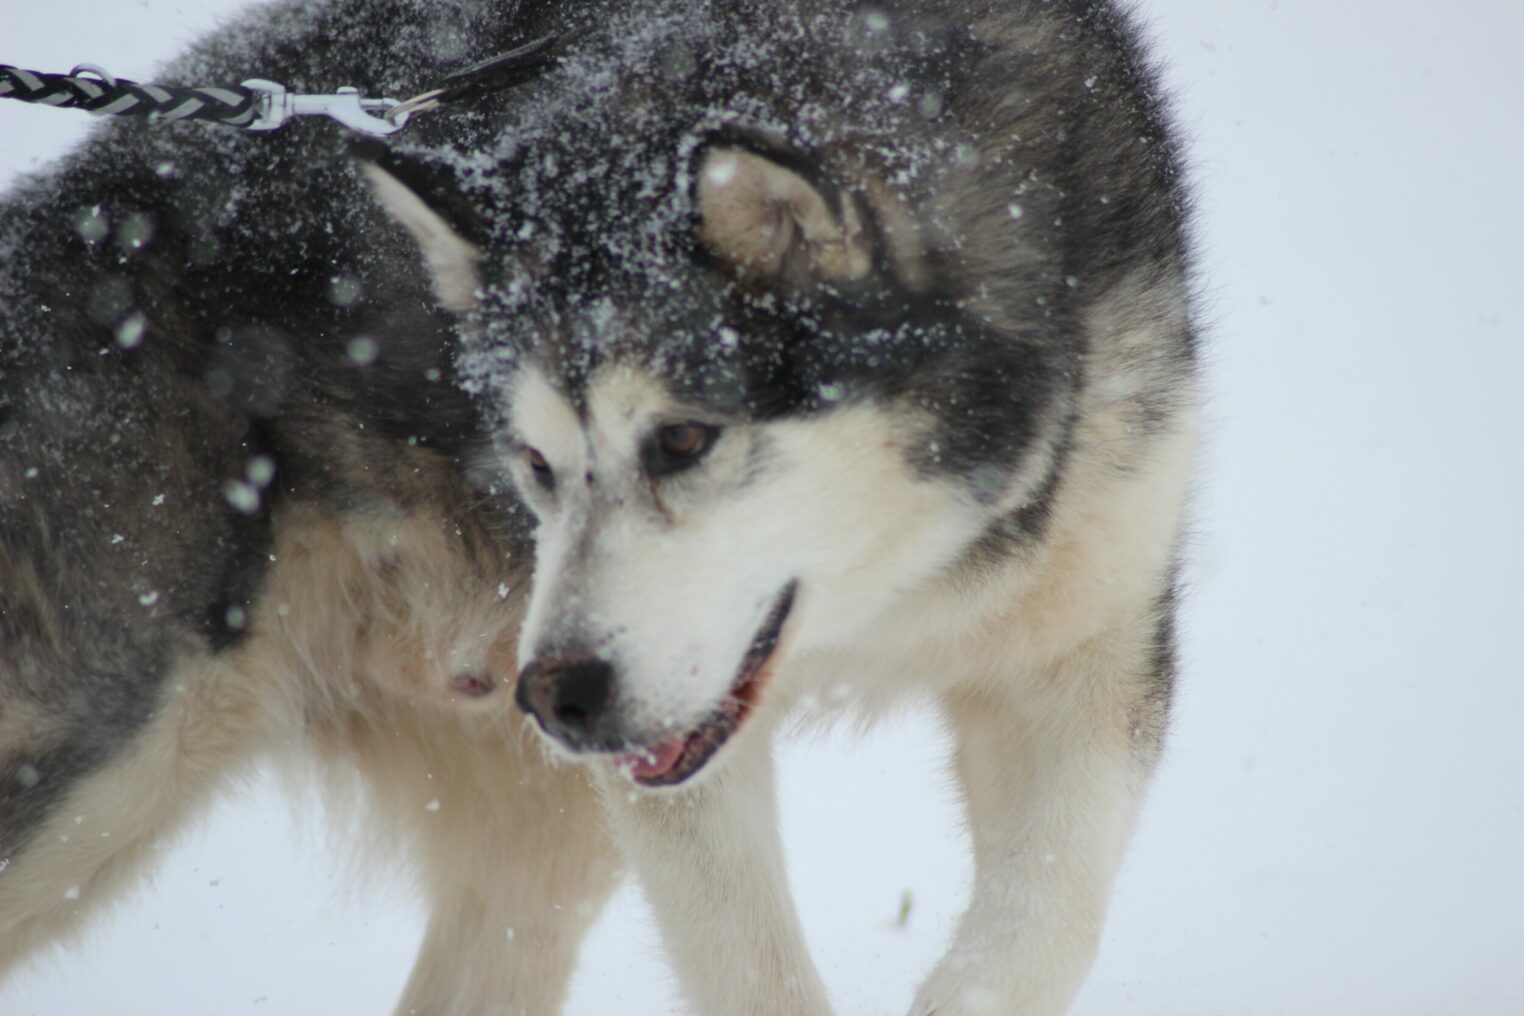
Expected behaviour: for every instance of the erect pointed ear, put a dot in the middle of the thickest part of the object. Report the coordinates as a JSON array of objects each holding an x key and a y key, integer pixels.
[
  {"x": 769, "y": 222},
  {"x": 423, "y": 198}
]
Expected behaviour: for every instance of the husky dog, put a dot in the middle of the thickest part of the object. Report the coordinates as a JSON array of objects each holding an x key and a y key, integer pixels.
[
  {"x": 236, "y": 518},
  {"x": 838, "y": 346}
]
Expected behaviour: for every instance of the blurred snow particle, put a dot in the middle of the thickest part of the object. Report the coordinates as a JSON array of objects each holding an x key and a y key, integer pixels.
[
  {"x": 164, "y": 169},
  {"x": 158, "y": 499},
  {"x": 27, "y": 775},
  {"x": 1072, "y": 281},
  {"x": 720, "y": 170},
  {"x": 1014, "y": 210},
  {"x": 91, "y": 224},
  {"x": 149, "y": 598},
  {"x": 241, "y": 496},
  {"x": 830, "y": 392},
  {"x": 433, "y": 805},
  {"x": 71, "y": 893},
  {"x": 877, "y": 21},
  {"x": 129, "y": 334},
  {"x": 236, "y": 618},
  {"x": 931, "y": 104},
  {"x": 260, "y": 470},
  {"x": 446, "y": 41},
  {"x": 502, "y": 590},
  {"x": 135, "y": 232},
  {"x": 510, "y": 934},
  {"x": 678, "y": 64},
  {"x": 898, "y": 93},
  {"x": 362, "y": 350},
  {"x": 344, "y": 290}
]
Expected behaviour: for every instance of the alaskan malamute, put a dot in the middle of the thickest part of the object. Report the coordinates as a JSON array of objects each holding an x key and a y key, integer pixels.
[{"x": 838, "y": 345}]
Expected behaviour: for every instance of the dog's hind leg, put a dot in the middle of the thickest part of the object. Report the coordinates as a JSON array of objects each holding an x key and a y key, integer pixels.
[
  {"x": 104, "y": 818},
  {"x": 711, "y": 862},
  {"x": 1052, "y": 772},
  {"x": 514, "y": 856}
]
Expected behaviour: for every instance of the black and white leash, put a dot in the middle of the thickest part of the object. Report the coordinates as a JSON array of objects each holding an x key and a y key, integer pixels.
[
  {"x": 260, "y": 105},
  {"x": 236, "y": 106}
]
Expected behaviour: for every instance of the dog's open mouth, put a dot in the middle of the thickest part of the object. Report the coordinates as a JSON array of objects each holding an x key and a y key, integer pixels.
[{"x": 672, "y": 761}]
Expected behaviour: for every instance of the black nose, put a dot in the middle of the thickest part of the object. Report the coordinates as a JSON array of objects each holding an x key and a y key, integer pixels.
[{"x": 570, "y": 696}]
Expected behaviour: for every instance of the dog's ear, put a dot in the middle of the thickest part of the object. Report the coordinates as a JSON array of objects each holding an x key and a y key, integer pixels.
[
  {"x": 769, "y": 222},
  {"x": 423, "y": 197}
]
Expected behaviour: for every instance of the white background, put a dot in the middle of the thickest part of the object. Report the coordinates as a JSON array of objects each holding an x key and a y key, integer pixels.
[{"x": 1339, "y": 826}]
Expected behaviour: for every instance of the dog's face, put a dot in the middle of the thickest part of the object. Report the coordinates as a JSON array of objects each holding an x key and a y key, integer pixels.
[
  {"x": 733, "y": 388},
  {"x": 684, "y": 551}
]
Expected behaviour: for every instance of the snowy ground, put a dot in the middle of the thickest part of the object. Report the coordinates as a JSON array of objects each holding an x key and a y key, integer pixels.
[{"x": 1339, "y": 827}]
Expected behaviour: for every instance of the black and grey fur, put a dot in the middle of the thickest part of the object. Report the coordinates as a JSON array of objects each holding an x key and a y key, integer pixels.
[
  {"x": 839, "y": 346},
  {"x": 236, "y": 517}
]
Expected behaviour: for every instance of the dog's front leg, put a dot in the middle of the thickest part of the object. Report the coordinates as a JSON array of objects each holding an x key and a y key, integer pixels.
[
  {"x": 515, "y": 862},
  {"x": 711, "y": 862},
  {"x": 1052, "y": 776}
]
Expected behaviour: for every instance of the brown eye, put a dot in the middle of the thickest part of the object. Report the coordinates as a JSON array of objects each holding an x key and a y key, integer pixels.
[
  {"x": 676, "y": 446},
  {"x": 540, "y": 468},
  {"x": 682, "y": 439}
]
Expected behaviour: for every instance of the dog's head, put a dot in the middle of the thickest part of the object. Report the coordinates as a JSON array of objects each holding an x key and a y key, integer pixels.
[{"x": 732, "y": 381}]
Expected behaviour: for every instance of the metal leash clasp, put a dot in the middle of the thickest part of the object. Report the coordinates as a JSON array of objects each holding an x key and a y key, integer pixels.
[{"x": 345, "y": 106}]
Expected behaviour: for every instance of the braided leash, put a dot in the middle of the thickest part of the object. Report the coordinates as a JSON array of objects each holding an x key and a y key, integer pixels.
[
  {"x": 235, "y": 106},
  {"x": 259, "y": 105}
]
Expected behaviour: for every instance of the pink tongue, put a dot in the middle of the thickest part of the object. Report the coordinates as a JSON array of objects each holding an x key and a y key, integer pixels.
[{"x": 654, "y": 761}]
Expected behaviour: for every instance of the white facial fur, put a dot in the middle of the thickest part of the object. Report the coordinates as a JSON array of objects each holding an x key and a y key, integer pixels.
[{"x": 671, "y": 579}]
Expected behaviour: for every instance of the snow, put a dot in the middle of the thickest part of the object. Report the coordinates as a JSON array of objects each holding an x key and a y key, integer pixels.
[{"x": 1339, "y": 824}]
